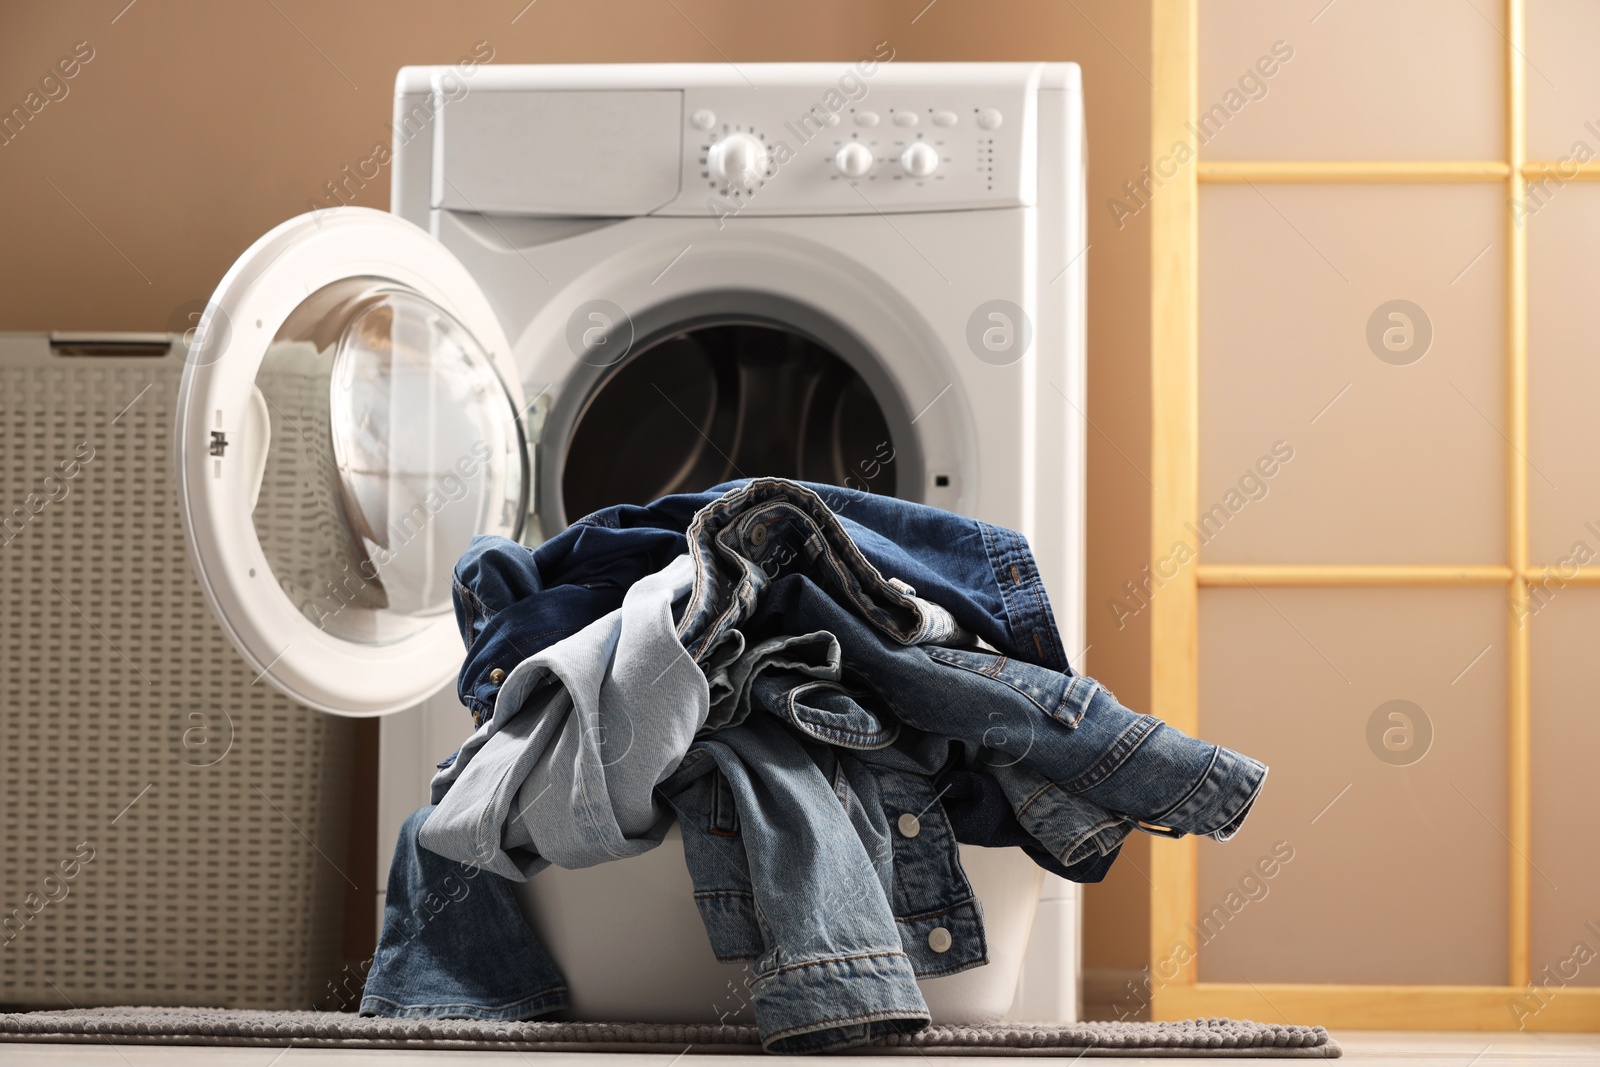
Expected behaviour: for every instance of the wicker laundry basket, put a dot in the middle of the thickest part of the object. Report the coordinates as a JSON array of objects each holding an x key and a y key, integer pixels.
[{"x": 172, "y": 831}]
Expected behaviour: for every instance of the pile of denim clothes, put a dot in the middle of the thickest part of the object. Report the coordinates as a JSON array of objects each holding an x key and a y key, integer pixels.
[{"x": 787, "y": 670}]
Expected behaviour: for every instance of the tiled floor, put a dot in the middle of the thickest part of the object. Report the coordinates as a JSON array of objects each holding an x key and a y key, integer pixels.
[{"x": 1360, "y": 1050}]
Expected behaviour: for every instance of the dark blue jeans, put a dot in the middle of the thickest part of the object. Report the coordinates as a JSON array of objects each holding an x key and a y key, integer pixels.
[{"x": 454, "y": 945}]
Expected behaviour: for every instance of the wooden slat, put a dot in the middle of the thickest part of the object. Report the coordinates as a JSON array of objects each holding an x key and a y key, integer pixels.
[
  {"x": 1328, "y": 172},
  {"x": 1331, "y": 171},
  {"x": 1388, "y": 1007},
  {"x": 1519, "y": 752},
  {"x": 1572, "y": 171},
  {"x": 1337, "y": 574},
  {"x": 1554, "y": 577},
  {"x": 1174, "y": 389}
]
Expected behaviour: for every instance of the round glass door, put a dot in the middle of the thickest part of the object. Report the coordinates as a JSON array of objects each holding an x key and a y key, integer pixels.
[
  {"x": 390, "y": 443},
  {"x": 350, "y": 421}
]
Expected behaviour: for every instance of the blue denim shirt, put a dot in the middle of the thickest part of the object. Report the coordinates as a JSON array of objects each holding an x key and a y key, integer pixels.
[{"x": 565, "y": 771}]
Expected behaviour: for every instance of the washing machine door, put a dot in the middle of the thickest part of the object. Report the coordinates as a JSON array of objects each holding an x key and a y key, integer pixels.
[{"x": 349, "y": 419}]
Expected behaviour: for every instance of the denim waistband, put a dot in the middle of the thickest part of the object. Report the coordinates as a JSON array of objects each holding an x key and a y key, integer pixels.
[{"x": 745, "y": 538}]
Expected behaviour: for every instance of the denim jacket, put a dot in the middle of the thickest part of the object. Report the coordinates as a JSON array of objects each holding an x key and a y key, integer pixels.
[
  {"x": 1080, "y": 769},
  {"x": 776, "y": 569},
  {"x": 784, "y": 875}
]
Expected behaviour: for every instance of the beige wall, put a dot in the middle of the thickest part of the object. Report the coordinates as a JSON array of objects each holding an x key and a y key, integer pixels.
[{"x": 197, "y": 126}]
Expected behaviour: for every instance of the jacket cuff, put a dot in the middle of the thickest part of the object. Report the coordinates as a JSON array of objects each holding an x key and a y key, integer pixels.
[
  {"x": 836, "y": 1003},
  {"x": 1219, "y": 803}
]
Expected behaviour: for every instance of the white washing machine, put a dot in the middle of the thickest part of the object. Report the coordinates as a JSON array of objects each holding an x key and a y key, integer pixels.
[{"x": 604, "y": 283}]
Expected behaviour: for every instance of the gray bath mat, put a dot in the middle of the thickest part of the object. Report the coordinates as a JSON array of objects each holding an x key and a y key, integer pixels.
[{"x": 312, "y": 1029}]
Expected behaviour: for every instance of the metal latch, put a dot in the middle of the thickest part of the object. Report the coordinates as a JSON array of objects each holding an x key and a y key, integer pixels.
[{"x": 219, "y": 442}]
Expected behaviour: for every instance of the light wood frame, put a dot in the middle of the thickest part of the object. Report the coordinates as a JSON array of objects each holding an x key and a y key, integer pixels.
[{"x": 1176, "y": 991}]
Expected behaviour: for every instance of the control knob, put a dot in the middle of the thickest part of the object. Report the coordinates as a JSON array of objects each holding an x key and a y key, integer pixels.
[
  {"x": 738, "y": 159},
  {"x": 919, "y": 159},
  {"x": 853, "y": 160}
]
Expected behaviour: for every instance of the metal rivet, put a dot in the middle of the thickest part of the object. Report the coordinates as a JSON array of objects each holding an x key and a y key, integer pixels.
[
  {"x": 910, "y": 825},
  {"x": 497, "y": 676},
  {"x": 939, "y": 939},
  {"x": 758, "y": 535}
]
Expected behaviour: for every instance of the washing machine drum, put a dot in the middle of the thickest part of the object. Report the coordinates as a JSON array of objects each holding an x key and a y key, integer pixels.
[{"x": 724, "y": 400}]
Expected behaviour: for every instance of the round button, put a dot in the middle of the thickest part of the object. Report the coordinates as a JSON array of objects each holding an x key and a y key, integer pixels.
[
  {"x": 758, "y": 535},
  {"x": 738, "y": 159},
  {"x": 853, "y": 160},
  {"x": 703, "y": 119},
  {"x": 905, "y": 118},
  {"x": 939, "y": 939},
  {"x": 944, "y": 118},
  {"x": 497, "y": 676},
  {"x": 990, "y": 119},
  {"x": 866, "y": 118},
  {"x": 920, "y": 160},
  {"x": 909, "y": 824}
]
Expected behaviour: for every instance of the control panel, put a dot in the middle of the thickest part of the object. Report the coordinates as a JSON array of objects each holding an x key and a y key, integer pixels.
[
  {"x": 869, "y": 137},
  {"x": 774, "y": 150}
]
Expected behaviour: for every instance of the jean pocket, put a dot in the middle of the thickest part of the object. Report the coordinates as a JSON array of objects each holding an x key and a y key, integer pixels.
[
  {"x": 832, "y": 714},
  {"x": 1056, "y": 694}
]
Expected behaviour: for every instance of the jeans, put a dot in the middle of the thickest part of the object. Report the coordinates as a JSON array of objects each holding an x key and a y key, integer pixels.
[{"x": 453, "y": 944}]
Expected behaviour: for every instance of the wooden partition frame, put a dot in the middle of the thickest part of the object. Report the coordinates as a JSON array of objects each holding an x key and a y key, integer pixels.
[{"x": 1177, "y": 991}]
